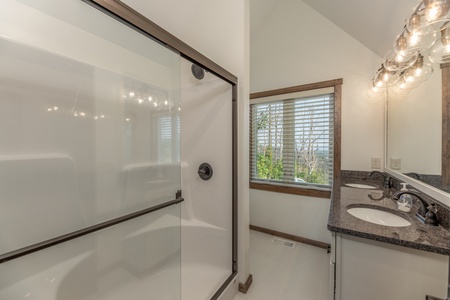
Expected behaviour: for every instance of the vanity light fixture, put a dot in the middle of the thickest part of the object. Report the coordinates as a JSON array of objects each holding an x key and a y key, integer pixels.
[{"x": 426, "y": 34}]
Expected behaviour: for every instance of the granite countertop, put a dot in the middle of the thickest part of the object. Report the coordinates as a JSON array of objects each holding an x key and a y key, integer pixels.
[{"x": 418, "y": 235}]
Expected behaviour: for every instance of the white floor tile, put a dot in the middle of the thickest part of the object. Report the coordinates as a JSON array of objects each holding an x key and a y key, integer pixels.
[
  {"x": 284, "y": 273},
  {"x": 238, "y": 297}
]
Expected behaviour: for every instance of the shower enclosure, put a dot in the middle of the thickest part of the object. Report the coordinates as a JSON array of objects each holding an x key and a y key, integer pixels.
[{"x": 102, "y": 129}]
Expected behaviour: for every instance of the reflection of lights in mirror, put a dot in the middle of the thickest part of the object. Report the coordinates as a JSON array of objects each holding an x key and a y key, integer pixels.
[{"x": 440, "y": 52}]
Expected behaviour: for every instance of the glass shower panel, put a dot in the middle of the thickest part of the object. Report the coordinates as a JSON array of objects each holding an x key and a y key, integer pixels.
[
  {"x": 138, "y": 259},
  {"x": 89, "y": 120}
]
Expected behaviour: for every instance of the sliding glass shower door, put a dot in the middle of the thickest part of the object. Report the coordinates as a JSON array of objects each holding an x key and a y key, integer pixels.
[{"x": 89, "y": 156}]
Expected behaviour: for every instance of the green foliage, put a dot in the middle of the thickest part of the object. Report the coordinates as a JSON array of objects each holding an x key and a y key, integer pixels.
[
  {"x": 267, "y": 167},
  {"x": 311, "y": 176},
  {"x": 318, "y": 174}
]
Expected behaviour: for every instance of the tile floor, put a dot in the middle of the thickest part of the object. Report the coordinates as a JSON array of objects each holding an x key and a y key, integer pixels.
[{"x": 284, "y": 273}]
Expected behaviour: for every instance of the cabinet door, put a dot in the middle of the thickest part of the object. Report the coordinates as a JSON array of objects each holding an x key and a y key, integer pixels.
[{"x": 374, "y": 271}]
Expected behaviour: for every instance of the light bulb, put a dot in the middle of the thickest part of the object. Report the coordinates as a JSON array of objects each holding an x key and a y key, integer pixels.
[
  {"x": 401, "y": 45},
  {"x": 414, "y": 23},
  {"x": 413, "y": 39},
  {"x": 428, "y": 16},
  {"x": 419, "y": 72},
  {"x": 396, "y": 62},
  {"x": 408, "y": 43},
  {"x": 435, "y": 9},
  {"x": 403, "y": 85},
  {"x": 373, "y": 91},
  {"x": 376, "y": 89},
  {"x": 385, "y": 77}
]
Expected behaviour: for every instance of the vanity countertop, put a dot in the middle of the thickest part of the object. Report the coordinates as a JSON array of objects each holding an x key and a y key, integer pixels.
[{"x": 418, "y": 235}]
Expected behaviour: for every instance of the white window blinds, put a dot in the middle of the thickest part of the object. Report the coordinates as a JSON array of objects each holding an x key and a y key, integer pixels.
[{"x": 292, "y": 141}]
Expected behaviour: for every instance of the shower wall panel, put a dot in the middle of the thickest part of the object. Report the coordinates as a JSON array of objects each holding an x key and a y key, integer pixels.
[{"x": 206, "y": 119}]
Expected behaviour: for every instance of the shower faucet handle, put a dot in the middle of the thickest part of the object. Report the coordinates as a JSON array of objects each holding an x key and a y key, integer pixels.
[{"x": 205, "y": 171}]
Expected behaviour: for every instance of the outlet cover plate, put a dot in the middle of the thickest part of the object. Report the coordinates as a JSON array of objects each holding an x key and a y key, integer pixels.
[
  {"x": 396, "y": 163},
  {"x": 376, "y": 163}
]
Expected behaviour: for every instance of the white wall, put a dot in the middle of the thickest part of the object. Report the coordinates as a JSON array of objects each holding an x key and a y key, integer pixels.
[
  {"x": 220, "y": 31},
  {"x": 299, "y": 46}
]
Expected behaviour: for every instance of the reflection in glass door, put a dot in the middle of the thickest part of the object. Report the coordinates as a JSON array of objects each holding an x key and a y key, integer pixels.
[{"x": 90, "y": 130}]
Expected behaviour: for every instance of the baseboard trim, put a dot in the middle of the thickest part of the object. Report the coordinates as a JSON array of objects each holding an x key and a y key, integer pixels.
[
  {"x": 292, "y": 237},
  {"x": 243, "y": 287}
]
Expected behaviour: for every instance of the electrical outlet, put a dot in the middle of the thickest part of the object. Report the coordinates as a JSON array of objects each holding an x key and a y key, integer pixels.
[
  {"x": 396, "y": 163},
  {"x": 376, "y": 163}
]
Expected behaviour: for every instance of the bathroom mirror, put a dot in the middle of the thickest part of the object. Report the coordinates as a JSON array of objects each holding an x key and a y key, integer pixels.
[{"x": 415, "y": 140}]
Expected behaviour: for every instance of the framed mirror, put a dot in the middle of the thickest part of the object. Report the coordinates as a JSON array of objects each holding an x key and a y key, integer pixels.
[{"x": 418, "y": 135}]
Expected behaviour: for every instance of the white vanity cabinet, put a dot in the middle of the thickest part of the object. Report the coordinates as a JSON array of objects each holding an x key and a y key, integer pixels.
[{"x": 371, "y": 270}]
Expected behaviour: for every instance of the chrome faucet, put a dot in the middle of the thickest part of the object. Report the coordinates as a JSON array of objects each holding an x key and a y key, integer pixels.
[
  {"x": 426, "y": 213},
  {"x": 387, "y": 181}
]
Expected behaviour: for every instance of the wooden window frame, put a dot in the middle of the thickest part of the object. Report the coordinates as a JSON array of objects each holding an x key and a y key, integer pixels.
[{"x": 336, "y": 84}]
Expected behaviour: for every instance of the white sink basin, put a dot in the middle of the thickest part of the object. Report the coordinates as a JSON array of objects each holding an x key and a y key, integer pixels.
[
  {"x": 361, "y": 186},
  {"x": 379, "y": 217}
]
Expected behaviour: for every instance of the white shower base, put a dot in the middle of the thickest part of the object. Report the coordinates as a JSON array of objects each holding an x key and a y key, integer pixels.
[
  {"x": 117, "y": 271},
  {"x": 205, "y": 264}
]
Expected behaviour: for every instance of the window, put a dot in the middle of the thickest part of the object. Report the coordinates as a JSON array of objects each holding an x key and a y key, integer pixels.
[{"x": 293, "y": 139}]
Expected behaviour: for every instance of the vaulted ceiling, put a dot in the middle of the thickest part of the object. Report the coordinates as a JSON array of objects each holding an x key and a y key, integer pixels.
[{"x": 374, "y": 23}]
